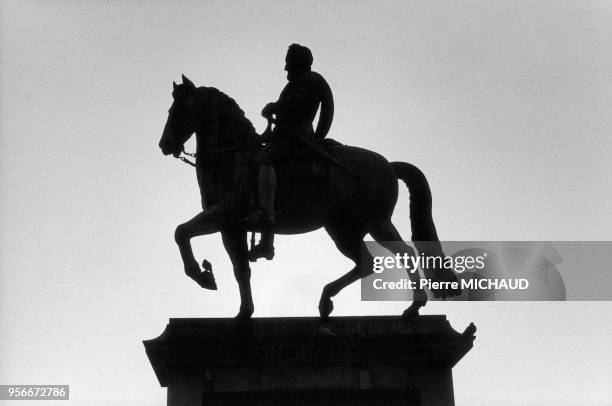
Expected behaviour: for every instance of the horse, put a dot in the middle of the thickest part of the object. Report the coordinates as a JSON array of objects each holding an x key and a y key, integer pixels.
[{"x": 347, "y": 205}]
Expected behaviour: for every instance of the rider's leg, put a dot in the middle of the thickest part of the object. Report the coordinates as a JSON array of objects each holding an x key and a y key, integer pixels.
[
  {"x": 266, "y": 187},
  {"x": 266, "y": 194}
]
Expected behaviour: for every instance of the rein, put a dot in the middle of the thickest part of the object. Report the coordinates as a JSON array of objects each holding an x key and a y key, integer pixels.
[
  {"x": 210, "y": 153},
  {"x": 223, "y": 150},
  {"x": 187, "y": 161}
]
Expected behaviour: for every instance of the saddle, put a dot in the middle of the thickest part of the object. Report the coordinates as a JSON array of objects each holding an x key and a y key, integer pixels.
[
  {"x": 306, "y": 163},
  {"x": 297, "y": 166}
]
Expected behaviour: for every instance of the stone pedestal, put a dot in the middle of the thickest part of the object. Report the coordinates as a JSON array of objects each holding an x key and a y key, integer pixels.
[{"x": 377, "y": 360}]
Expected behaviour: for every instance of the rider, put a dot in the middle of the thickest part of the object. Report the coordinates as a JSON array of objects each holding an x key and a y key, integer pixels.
[{"x": 295, "y": 112}]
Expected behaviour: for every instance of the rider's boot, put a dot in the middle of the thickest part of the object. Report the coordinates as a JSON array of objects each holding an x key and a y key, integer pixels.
[{"x": 267, "y": 193}]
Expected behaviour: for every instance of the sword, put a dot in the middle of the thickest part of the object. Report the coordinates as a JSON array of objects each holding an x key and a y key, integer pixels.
[{"x": 314, "y": 146}]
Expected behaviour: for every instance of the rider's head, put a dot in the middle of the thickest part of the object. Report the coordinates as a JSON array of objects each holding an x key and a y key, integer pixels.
[{"x": 298, "y": 61}]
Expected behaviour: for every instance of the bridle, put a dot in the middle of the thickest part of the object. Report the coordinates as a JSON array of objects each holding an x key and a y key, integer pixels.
[
  {"x": 184, "y": 159},
  {"x": 211, "y": 154}
]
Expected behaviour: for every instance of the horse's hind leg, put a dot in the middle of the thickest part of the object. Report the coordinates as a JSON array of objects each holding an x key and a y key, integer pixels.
[
  {"x": 349, "y": 240},
  {"x": 385, "y": 233},
  {"x": 235, "y": 242}
]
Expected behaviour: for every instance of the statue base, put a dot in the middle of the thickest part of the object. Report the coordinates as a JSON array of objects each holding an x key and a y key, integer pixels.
[{"x": 380, "y": 360}]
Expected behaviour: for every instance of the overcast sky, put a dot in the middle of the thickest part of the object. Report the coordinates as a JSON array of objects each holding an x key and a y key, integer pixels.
[{"x": 506, "y": 107}]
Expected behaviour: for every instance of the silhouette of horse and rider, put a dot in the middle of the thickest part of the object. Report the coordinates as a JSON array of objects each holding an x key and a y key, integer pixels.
[{"x": 292, "y": 180}]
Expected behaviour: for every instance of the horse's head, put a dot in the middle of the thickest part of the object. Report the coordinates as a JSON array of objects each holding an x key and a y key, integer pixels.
[{"x": 183, "y": 118}]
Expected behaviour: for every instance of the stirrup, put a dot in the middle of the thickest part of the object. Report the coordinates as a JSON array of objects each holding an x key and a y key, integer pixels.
[{"x": 261, "y": 251}]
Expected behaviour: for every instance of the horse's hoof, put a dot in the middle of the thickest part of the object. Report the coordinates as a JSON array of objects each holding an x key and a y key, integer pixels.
[
  {"x": 412, "y": 312},
  {"x": 244, "y": 315},
  {"x": 326, "y": 306},
  {"x": 260, "y": 251},
  {"x": 325, "y": 331},
  {"x": 206, "y": 280},
  {"x": 419, "y": 297}
]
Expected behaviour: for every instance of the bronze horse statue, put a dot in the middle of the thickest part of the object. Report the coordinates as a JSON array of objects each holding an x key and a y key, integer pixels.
[{"x": 348, "y": 205}]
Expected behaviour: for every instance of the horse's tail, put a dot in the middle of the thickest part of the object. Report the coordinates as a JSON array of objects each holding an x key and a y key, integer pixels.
[{"x": 424, "y": 233}]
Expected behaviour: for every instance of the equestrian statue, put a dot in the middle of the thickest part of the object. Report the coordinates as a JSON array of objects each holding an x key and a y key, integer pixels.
[{"x": 291, "y": 180}]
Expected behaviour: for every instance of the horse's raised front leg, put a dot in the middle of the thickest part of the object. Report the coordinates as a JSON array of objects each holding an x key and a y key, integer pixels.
[
  {"x": 199, "y": 225},
  {"x": 235, "y": 242}
]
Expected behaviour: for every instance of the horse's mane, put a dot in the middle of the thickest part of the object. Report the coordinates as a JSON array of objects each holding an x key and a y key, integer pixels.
[
  {"x": 235, "y": 130},
  {"x": 233, "y": 122}
]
